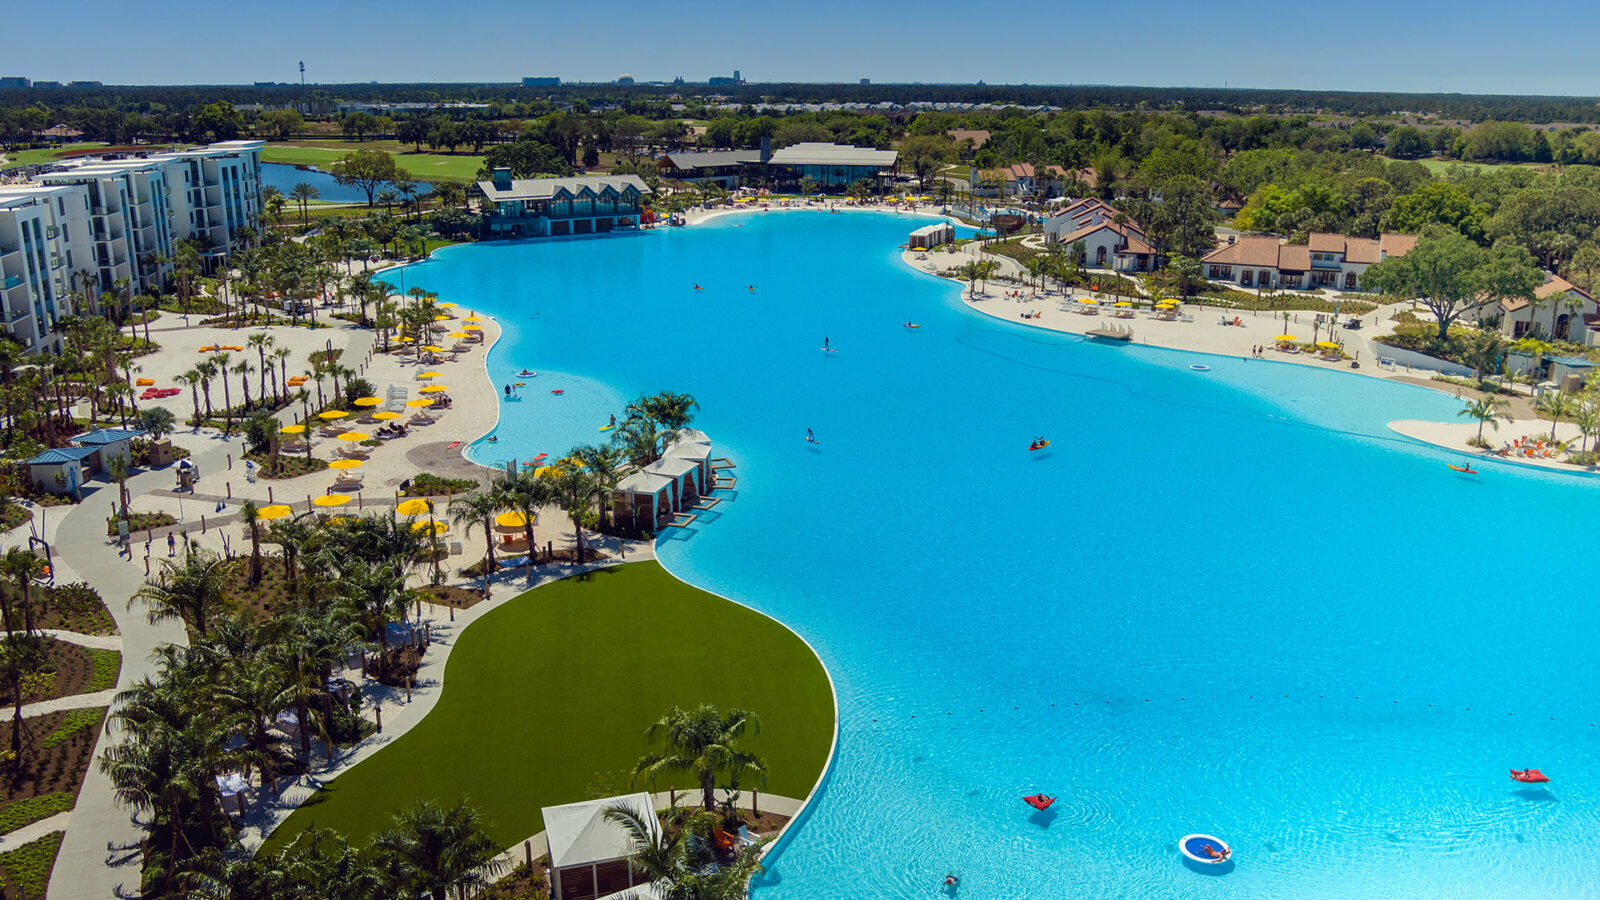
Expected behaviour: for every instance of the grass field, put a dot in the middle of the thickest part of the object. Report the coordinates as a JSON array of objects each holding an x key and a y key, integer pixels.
[
  {"x": 1441, "y": 166},
  {"x": 46, "y": 154},
  {"x": 422, "y": 166},
  {"x": 552, "y": 692}
]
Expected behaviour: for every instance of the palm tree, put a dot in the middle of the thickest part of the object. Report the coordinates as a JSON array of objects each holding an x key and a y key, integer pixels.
[
  {"x": 704, "y": 743},
  {"x": 433, "y": 849},
  {"x": 524, "y": 494},
  {"x": 207, "y": 370},
  {"x": 21, "y": 567},
  {"x": 670, "y": 411},
  {"x": 606, "y": 466},
  {"x": 262, "y": 342},
  {"x": 243, "y": 371},
  {"x": 479, "y": 508},
  {"x": 250, "y": 514},
  {"x": 576, "y": 491},
  {"x": 377, "y": 594},
  {"x": 678, "y": 861},
  {"x": 1556, "y": 404},
  {"x": 1488, "y": 410},
  {"x": 192, "y": 589},
  {"x": 304, "y": 192},
  {"x": 221, "y": 361},
  {"x": 253, "y": 694}
]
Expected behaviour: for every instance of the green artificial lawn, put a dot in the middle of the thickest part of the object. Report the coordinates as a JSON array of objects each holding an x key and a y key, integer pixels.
[
  {"x": 552, "y": 692},
  {"x": 428, "y": 167},
  {"x": 46, "y": 154}
]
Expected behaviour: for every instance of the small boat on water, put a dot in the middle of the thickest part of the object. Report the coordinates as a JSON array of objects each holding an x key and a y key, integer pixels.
[{"x": 1205, "y": 848}]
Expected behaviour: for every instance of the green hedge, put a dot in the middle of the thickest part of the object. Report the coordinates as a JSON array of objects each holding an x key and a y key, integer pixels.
[
  {"x": 18, "y": 813},
  {"x": 107, "y": 665},
  {"x": 76, "y": 720},
  {"x": 27, "y": 868}
]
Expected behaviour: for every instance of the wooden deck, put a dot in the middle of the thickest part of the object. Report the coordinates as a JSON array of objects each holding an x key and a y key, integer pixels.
[
  {"x": 680, "y": 519},
  {"x": 721, "y": 462},
  {"x": 707, "y": 502}
]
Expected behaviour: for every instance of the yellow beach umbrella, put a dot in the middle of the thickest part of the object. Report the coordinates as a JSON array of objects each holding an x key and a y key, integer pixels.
[
  {"x": 444, "y": 306},
  {"x": 442, "y": 318},
  {"x": 419, "y": 402},
  {"x": 1285, "y": 337},
  {"x": 429, "y": 374},
  {"x": 1124, "y": 303},
  {"x": 329, "y": 500},
  {"x": 354, "y": 437},
  {"x": 511, "y": 520},
  {"x": 386, "y": 414},
  {"x": 435, "y": 526},
  {"x": 294, "y": 429},
  {"x": 414, "y": 507},
  {"x": 368, "y": 401},
  {"x": 459, "y": 335},
  {"x": 331, "y": 414},
  {"x": 543, "y": 469},
  {"x": 474, "y": 318},
  {"x": 346, "y": 464},
  {"x": 1089, "y": 301},
  {"x": 472, "y": 328},
  {"x": 434, "y": 389},
  {"x": 919, "y": 249},
  {"x": 276, "y": 511},
  {"x": 1327, "y": 345},
  {"x": 404, "y": 340},
  {"x": 434, "y": 348}
]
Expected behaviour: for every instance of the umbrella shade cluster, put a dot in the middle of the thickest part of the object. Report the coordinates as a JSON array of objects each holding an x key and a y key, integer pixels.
[
  {"x": 511, "y": 521},
  {"x": 368, "y": 401},
  {"x": 331, "y": 414},
  {"x": 434, "y": 389},
  {"x": 332, "y": 500},
  {"x": 276, "y": 511},
  {"x": 345, "y": 464},
  {"x": 419, "y": 402}
]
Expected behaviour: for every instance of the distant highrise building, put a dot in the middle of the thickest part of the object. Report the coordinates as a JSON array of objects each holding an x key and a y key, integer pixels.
[
  {"x": 541, "y": 81},
  {"x": 84, "y": 84},
  {"x": 866, "y": 81},
  {"x": 13, "y": 81},
  {"x": 736, "y": 76}
]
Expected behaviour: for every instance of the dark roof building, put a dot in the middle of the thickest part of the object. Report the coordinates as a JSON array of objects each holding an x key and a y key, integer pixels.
[{"x": 541, "y": 207}]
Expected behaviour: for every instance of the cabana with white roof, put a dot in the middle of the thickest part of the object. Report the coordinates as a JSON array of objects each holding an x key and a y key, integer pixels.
[{"x": 588, "y": 853}]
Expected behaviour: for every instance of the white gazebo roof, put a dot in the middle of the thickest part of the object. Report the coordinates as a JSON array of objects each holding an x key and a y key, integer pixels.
[
  {"x": 644, "y": 483},
  {"x": 671, "y": 467},
  {"x": 580, "y": 834},
  {"x": 689, "y": 450},
  {"x": 693, "y": 434}
]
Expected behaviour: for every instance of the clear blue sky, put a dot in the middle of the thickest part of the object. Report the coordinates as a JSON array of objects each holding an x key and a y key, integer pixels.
[{"x": 1470, "y": 46}]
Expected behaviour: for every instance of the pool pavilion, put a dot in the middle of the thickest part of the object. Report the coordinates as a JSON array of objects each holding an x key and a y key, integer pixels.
[{"x": 555, "y": 207}]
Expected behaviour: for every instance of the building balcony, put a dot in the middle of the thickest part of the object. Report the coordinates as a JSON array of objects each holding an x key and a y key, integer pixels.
[
  {"x": 8, "y": 249},
  {"x": 12, "y": 281}
]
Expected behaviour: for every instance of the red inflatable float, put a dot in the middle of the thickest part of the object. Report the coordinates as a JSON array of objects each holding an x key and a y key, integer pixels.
[
  {"x": 1039, "y": 801},
  {"x": 1529, "y": 776}
]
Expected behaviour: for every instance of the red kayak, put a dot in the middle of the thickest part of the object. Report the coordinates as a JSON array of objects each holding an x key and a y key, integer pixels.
[
  {"x": 558, "y": 392},
  {"x": 1529, "y": 776},
  {"x": 1039, "y": 801}
]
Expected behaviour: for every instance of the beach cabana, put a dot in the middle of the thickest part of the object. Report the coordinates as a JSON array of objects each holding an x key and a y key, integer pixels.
[
  {"x": 685, "y": 475},
  {"x": 931, "y": 236},
  {"x": 643, "y": 500},
  {"x": 588, "y": 853},
  {"x": 71, "y": 464},
  {"x": 697, "y": 452}
]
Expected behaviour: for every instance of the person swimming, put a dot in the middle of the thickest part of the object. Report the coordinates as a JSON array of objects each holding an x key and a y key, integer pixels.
[{"x": 492, "y": 439}]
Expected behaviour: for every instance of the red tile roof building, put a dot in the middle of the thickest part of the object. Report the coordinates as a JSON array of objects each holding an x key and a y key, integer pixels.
[{"x": 1325, "y": 261}]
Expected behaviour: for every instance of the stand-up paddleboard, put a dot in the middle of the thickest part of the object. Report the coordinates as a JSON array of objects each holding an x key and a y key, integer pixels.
[
  {"x": 1467, "y": 469},
  {"x": 1039, "y": 446},
  {"x": 558, "y": 391},
  {"x": 607, "y": 427}
]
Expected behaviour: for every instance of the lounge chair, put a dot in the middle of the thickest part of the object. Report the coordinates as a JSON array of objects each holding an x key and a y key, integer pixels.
[{"x": 746, "y": 837}]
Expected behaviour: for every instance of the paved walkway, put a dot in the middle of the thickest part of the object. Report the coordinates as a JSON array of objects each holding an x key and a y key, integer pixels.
[
  {"x": 27, "y": 834},
  {"x": 99, "y": 856},
  {"x": 76, "y": 701},
  {"x": 92, "y": 641}
]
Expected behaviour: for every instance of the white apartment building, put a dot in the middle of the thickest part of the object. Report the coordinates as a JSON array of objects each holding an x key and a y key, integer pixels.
[
  {"x": 116, "y": 219},
  {"x": 44, "y": 239}
]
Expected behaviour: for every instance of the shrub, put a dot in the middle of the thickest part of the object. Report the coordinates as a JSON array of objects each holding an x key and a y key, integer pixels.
[
  {"x": 107, "y": 665},
  {"x": 18, "y": 813},
  {"x": 27, "y": 868},
  {"x": 76, "y": 720}
]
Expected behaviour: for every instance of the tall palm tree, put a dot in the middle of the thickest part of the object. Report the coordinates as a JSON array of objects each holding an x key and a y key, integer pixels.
[
  {"x": 524, "y": 494},
  {"x": 479, "y": 508},
  {"x": 262, "y": 342},
  {"x": 433, "y": 849},
  {"x": 251, "y": 515},
  {"x": 1555, "y": 404},
  {"x": 667, "y": 409},
  {"x": 21, "y": 567},
  {"x": 1488, "y": 410},
  {"x": 704, "y": 743},
  {"x": 252, "y": 694},
  {"x": 607, "y": 465},
  {"x": 192, "y": 589},
  {"x": 303, "y": 193},
  {"x": 679, "y": 861},
  {"x": 576, "y": 491}
]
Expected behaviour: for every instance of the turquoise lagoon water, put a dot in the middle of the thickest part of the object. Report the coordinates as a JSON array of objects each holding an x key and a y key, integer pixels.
[{"x": 1226, "y": 601}]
